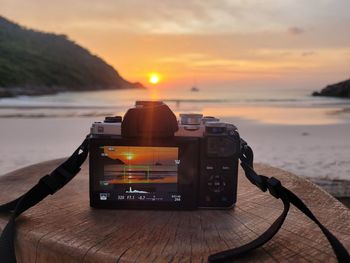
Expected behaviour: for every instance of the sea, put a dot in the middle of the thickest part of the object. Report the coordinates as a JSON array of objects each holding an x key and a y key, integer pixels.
[{"x": 273, "y": 106}]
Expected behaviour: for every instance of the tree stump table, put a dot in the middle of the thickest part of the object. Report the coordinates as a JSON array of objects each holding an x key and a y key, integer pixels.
[{"x": 63, "y": 227}]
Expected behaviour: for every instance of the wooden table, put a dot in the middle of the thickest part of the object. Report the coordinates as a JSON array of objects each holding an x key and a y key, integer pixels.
[{"x": 63, "y": 228}]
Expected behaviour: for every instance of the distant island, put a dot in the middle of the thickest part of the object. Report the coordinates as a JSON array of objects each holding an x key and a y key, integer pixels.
[
  {"x": 341, "y": 90},
  {"x": 38, "y": 63}
]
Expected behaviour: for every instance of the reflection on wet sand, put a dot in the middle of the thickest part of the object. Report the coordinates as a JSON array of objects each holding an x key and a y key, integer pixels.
[{"x": 277, "y": 115}]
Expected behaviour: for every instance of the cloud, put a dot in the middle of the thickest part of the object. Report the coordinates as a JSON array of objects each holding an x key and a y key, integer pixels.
[
  {"x": 308, "y": 53},
  {"x": 179, "y": 17},
  {"x": 296, "y": 30},
  {"x": 156, "y": 16}
]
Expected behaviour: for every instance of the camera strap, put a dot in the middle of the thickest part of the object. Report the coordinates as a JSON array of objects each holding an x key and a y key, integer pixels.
[
  {"x": 51, "y": 183},
  {"x": 276, "y": 189}
]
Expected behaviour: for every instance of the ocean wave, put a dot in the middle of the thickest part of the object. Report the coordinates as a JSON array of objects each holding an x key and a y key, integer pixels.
[
  {"x": 56, "y": 115},
  {"x": 109, "y": 103},
  {"x": 53, "y": 107}
]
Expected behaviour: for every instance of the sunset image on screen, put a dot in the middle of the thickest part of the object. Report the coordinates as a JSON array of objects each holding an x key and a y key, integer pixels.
[{"x": 128, "y": 164}]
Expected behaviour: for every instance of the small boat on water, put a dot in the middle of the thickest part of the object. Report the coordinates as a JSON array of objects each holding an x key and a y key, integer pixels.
[{"x": 194, "y": 89}]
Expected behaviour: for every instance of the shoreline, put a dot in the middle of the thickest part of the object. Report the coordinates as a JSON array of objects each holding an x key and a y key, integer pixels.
[{"x": 38, "y": 91}]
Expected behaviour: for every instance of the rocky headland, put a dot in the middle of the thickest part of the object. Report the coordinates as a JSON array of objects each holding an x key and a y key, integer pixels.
[{"x": 340, "y": 90}]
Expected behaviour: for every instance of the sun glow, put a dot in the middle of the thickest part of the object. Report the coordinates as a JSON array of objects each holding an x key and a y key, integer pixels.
[
  {"x": 129, "y": 155},
  {"x": 154, "y": 78}
]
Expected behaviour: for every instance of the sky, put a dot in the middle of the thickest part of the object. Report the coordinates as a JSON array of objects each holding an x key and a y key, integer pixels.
[{"x": 269, "y": 43}]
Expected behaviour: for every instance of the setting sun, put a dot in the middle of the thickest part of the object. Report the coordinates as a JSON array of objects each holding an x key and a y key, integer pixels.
[{"x": 154, "y": 78}]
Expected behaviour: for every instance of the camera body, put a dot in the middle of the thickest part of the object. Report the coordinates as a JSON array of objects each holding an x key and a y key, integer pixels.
[{"x": 152, "y": 160}]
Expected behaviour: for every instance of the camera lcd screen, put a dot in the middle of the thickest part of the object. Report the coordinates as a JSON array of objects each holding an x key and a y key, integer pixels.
[{"x": 137, "y": 173}]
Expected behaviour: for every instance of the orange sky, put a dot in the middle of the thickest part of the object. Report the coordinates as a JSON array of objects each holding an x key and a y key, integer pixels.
[{"x": 290, "y": 42}]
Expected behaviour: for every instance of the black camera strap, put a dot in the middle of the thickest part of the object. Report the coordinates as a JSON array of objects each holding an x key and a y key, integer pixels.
[
  {"x": 51, "y": 183},
  {"x": 276, "y": 189}
]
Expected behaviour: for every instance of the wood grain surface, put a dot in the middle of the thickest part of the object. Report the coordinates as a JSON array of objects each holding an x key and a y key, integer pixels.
[{"x": 63, "y": 228}]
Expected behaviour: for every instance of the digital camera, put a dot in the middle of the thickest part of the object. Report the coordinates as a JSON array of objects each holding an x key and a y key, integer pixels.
[{"x": 149, "y": 159}]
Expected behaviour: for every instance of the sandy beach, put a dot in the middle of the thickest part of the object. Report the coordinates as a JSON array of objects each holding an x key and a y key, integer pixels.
[{"x": 317, "y": 151}]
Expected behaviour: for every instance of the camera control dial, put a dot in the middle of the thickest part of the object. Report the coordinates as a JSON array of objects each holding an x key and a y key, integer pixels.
[
  {"x": 216, "y": 183},
  {"x": 191, "y": 119}
]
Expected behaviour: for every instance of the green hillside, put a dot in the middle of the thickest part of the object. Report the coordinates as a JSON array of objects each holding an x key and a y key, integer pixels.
[{"x": 34, "y": 63}]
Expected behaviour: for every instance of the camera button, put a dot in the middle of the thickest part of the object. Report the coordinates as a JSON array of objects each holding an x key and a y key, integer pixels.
[{"x": 209, "y": 168}]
